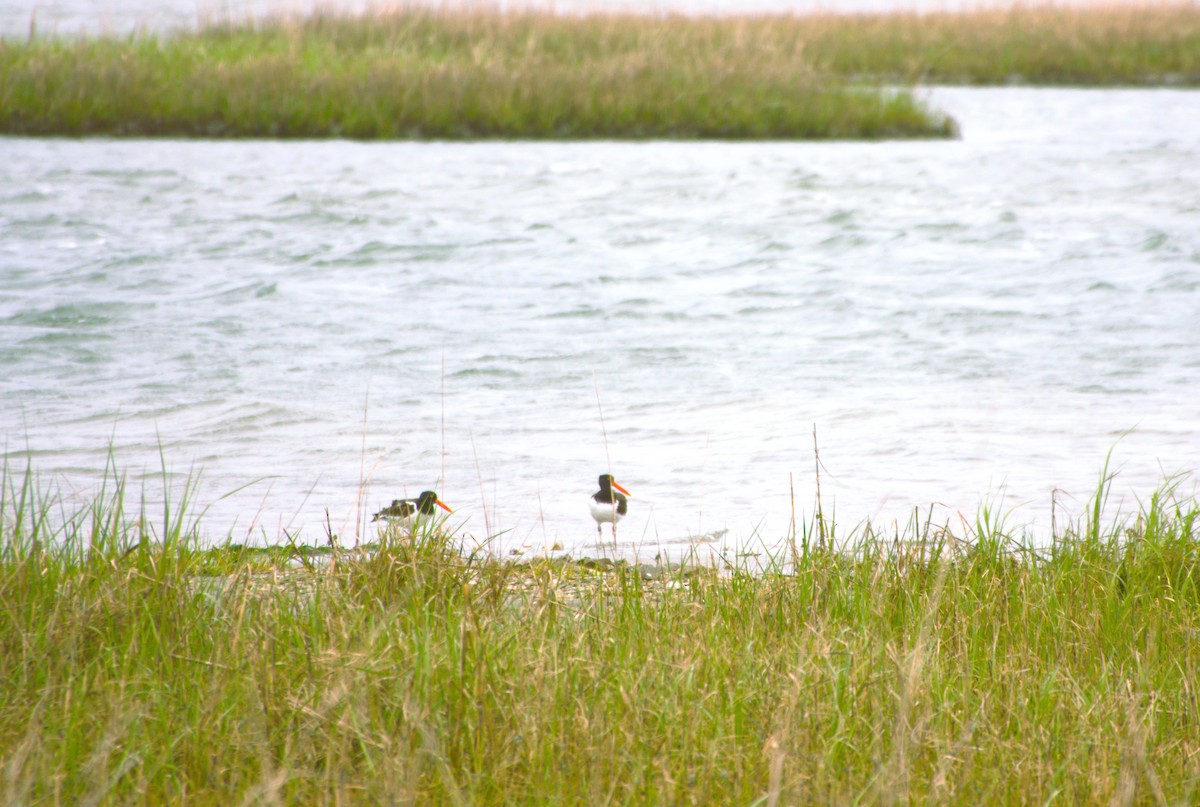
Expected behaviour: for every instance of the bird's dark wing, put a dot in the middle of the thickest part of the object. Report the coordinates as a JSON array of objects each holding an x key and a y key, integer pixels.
[{"x": 399, "y": 508}]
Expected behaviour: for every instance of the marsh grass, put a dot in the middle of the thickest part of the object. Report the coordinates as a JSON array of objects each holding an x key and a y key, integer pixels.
[
  {"x": 916, "y": 666},
  {"x": 456, "y": 74},
  {"x": 416, "y": 73},
  {"x": 1118, "y": 44}
]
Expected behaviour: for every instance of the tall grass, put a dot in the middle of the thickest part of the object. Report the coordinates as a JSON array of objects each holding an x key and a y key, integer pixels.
[
  {"x": 528, "y": 74},
  {"x": 921, "y": 666},
  {"x": 459, "y": 74},
  {"x": 1118, "y": 44}
]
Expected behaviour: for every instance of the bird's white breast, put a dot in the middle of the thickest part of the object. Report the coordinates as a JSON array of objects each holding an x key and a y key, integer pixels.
[{"x": 604, "y": 512}]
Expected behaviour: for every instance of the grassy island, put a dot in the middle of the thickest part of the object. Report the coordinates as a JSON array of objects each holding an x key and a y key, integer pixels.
[
  {"x": 488, "y": 74},
  {"x": 140, "y": 668},
  {"x": 467, "y": 74},
  {"x": 427, "y": 74}
]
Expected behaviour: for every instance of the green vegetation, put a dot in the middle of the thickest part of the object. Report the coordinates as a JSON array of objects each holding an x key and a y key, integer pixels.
[
  {"x": 463, "y": 74},
  {"x": 1085, "y": 45},
  {"x": 450, "y": 75},
  {"x": 141, "y": 668}
]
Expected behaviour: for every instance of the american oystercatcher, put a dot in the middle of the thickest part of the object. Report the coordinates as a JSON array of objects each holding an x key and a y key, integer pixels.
[
  {"x": 608, "y": 505},
  {"x": 408, "y": 512}
]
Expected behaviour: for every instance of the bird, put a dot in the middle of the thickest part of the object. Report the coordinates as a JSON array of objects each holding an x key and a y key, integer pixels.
[
  {"x": 407, "y": 512},
  {"x": 608, "y": 505}
]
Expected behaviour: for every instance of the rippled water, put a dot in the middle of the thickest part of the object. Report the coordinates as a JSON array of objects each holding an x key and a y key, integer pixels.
[{"x": 968, "y": 321}]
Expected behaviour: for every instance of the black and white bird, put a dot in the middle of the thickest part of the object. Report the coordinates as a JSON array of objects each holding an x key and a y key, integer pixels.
[
  {"x": 408, "y": 512},
  {"x": 607, "y": 505}
]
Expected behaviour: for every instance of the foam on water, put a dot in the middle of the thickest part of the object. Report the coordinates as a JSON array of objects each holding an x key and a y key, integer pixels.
[{"x": 333, "y": 324}]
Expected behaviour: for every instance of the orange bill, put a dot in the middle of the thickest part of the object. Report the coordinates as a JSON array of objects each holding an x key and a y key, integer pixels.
[
  {"x": 444, "y": 506},
  {"x": 618, "y": 487}
]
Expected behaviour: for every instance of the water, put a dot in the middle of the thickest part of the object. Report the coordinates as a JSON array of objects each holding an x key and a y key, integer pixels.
[{"x": 327, "y": 325}]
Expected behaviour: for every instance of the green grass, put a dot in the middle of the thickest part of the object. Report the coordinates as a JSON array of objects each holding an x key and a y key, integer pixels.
[
  {"x": 464, "y": 74},
  {"x": 140, "y": 667},
  {"x": 1122, "y": 44},
  {"x": 422, "y": 74}
]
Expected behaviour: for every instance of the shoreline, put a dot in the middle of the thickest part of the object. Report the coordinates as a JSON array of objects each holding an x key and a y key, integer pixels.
[{"x": 146, "y": 672}]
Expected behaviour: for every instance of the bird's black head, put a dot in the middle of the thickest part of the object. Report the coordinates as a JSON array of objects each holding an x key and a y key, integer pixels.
[
  {"x": 607, "y": 483},
  {"x": 428, "y": 500}
]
